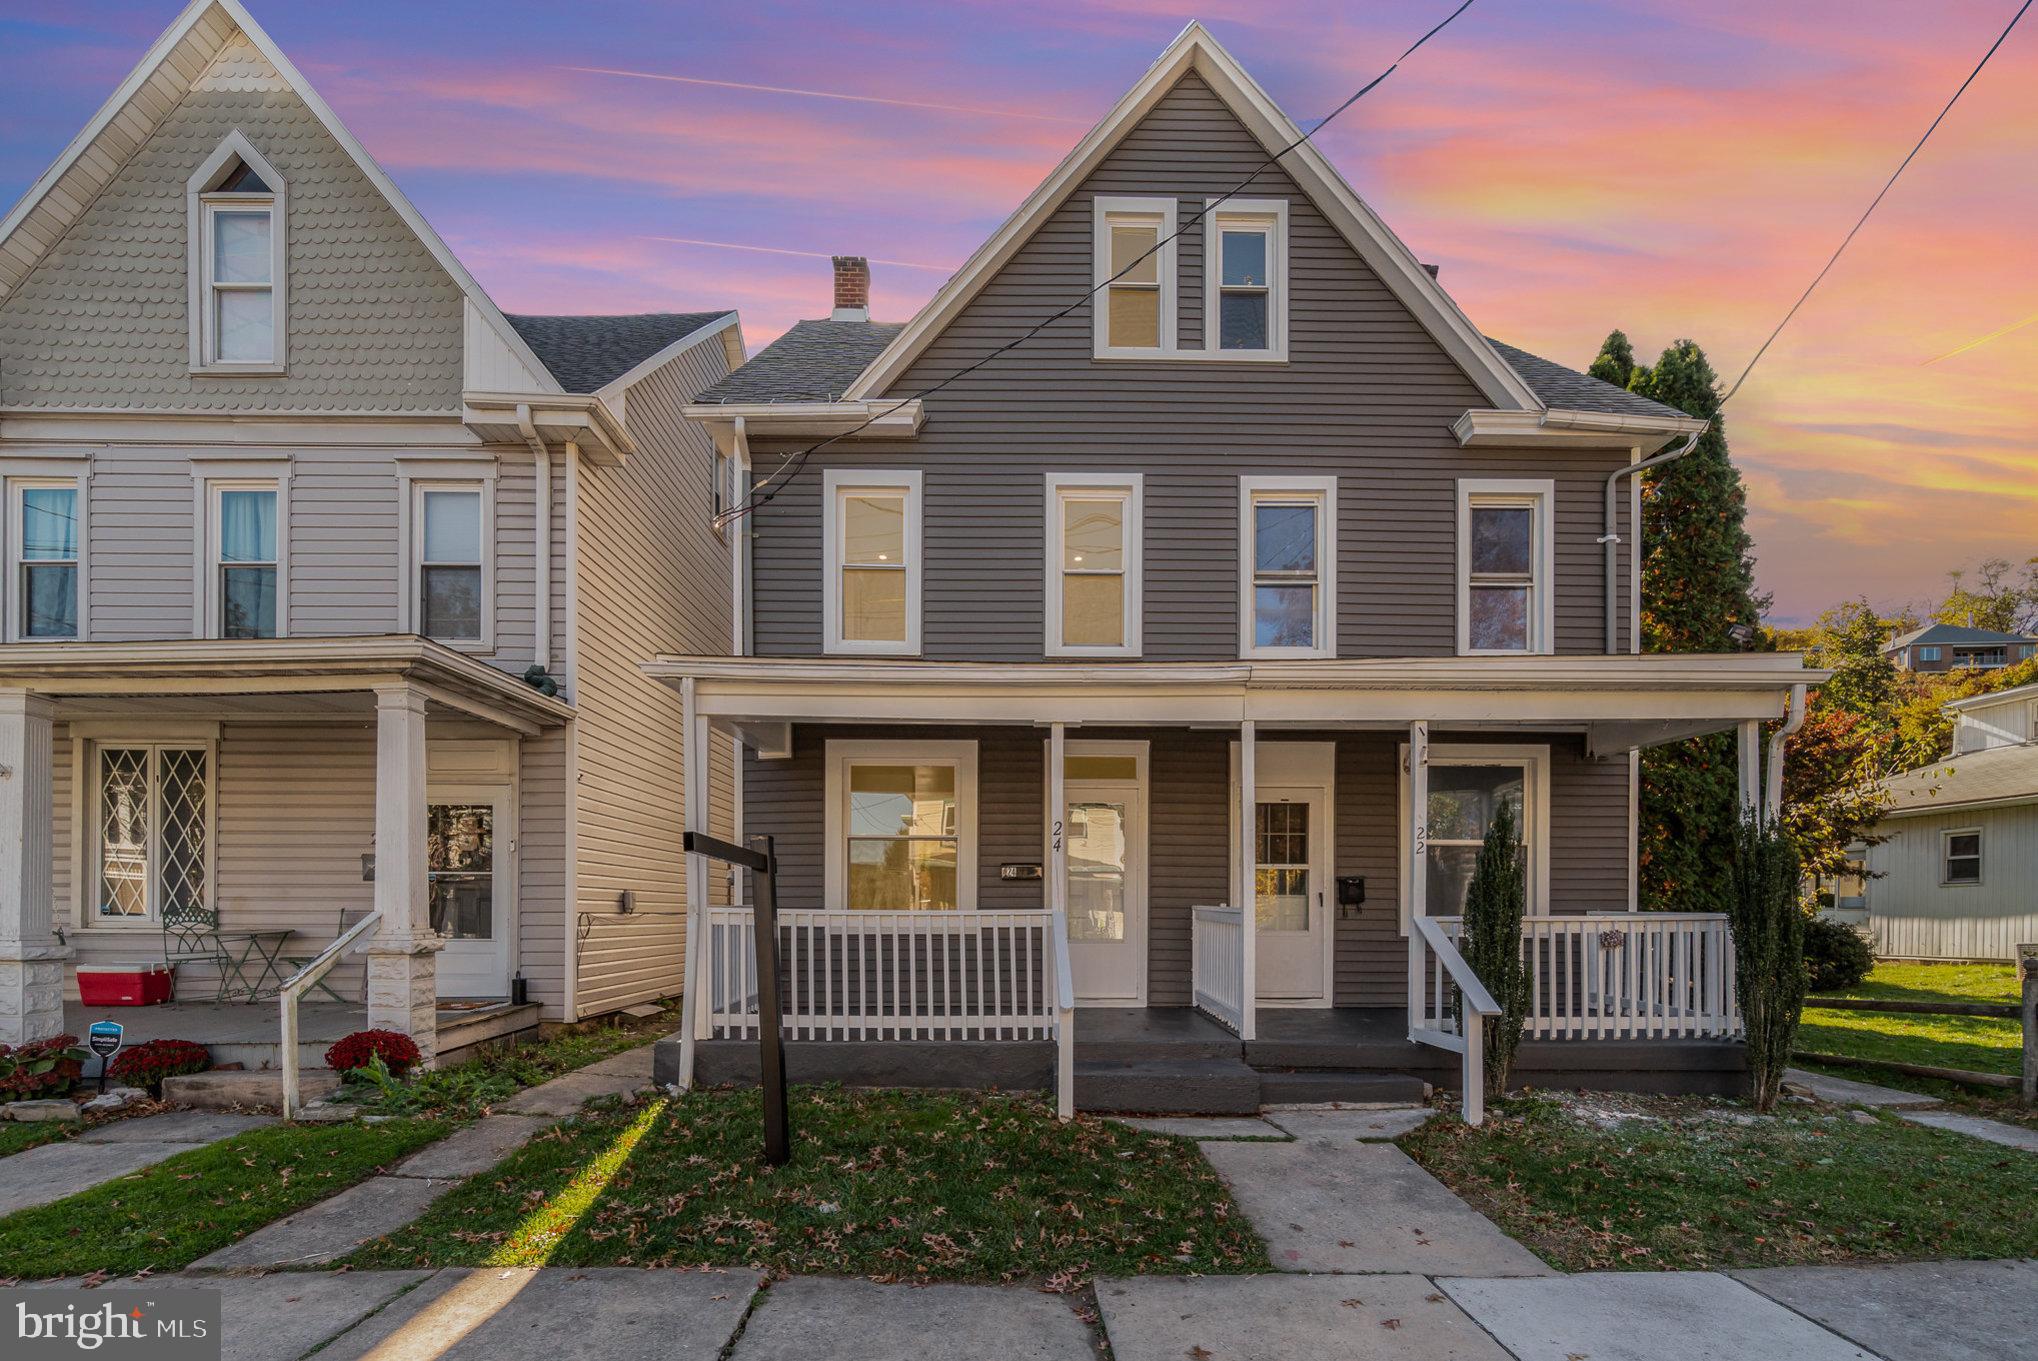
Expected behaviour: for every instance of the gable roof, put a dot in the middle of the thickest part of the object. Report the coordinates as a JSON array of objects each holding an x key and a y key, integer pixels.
[
  {"x": 815, "y": 361},
  {"x": 1569, "y": 390},
  {"x": 1196, "y": 50},
  {"x": 1959, "y": 634},
  {"x": 586, "y": 354},
  {"x": 1996, "y": 775},
  {"x": 138, "y": 106}
]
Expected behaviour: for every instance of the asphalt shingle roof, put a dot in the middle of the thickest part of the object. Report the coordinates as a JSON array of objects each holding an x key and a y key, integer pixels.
[
  {"x": 1990, "y": 776},
  {"x": 817, "y": 360},
  {"x": 1954, "y": 633},
  {"x": 586, "y": 354}
]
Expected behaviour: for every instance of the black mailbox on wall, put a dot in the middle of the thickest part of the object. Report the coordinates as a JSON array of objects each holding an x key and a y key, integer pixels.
[{"x": 1351, "y": 894}]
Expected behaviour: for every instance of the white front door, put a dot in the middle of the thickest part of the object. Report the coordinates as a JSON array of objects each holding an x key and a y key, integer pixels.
[
  {"x": 1291, "y": 871},
  {"x": 470, "y": 853},
  {"x": 1105, "y": 827}
]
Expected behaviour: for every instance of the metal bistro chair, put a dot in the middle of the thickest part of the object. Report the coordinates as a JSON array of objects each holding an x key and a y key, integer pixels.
[
  {"x": 348, "y": 918},
  {"x": 191, "y": 936}
]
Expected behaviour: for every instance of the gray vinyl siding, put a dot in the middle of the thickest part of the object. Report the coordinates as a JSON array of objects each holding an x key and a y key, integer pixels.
[
  {"x": 374, "y": 324},
  {"x": 652, "y": 577},
  {"x": 1189, "y": 834},
  {"x": 1368, "y": 396},
  {"x": 544, "y": 789},
  {"x": 1912, "y": 915}
]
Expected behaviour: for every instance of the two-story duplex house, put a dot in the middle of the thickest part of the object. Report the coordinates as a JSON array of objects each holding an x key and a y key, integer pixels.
[
  {"x": 327, "y": 582},
  {"x": 1957, "y": 647},
  {"x": 1156, "y": 680}
]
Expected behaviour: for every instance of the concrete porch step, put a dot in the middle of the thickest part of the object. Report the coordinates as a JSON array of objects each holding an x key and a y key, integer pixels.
[
  {"x": 1294, "y": 1088},
  {"x": 1175, "y": 1086}
]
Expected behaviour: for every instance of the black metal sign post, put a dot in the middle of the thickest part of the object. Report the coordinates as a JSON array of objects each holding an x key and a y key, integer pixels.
[{"x": 770, "y": 1041}]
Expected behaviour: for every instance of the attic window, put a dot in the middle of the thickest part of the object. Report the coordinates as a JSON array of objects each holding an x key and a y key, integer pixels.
[
  {"x": 235, "y": 259},
  {"x": 1245, "y": 298},
  {"x": 1133, "y": 273}
]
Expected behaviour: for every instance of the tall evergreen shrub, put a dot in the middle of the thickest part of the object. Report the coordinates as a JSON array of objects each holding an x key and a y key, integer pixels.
[
  {"x": 1495, "y": 902},
  {"x": 1769, "y": 937}
]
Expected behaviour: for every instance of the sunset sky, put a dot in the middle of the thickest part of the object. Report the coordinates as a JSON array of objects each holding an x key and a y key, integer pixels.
[{"x": 1675, "y": 169}]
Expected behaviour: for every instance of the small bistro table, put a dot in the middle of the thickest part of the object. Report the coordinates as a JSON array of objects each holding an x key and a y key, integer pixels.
[{"x": 256, "y": 952}]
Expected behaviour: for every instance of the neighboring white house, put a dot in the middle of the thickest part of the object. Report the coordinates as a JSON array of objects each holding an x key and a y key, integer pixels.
[{"x": 1956, "y": 876}]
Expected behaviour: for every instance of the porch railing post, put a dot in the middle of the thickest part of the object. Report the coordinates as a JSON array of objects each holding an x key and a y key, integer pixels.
[{"x": 1248, "y": 879}]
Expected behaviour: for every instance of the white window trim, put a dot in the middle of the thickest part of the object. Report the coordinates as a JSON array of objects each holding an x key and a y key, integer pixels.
[
  {"x": 414, "y": 477},
  {"x": 20, "y": 473},
  {"x": 1540, "y": 495},
  {"x": 1271, "y": 214},
  {"x": 841, "y": 754},
  {"x": 209, "y": 477},
  {"x": 87, "y": 738},
  {"x": 1324, "y": 489},
  {"x": 1536, "y": 811},
  {"x": 200, "y": 203},
  {"x": 835, "y": 483},
  {"x": 1063, "y": 487},
  {"x": 1980, "y": 857},
  {"x": 1103, "y": 208}
]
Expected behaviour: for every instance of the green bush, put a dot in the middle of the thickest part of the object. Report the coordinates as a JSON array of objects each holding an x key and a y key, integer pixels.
[
  {"x": 1495, "y": 903},
  {"x": 1837, "y": 956}
]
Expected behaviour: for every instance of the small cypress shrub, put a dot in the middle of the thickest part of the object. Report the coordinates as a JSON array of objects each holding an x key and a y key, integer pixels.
[
  {"x": 1495, "y": 902},
  {"x": 1769, "y": 965}
]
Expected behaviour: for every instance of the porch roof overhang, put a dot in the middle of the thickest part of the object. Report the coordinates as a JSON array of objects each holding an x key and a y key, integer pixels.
[
  {"x": 1620, "y": 703},
  {"x": 254, "y": 677},
  {"x": 588, "y": 421}
]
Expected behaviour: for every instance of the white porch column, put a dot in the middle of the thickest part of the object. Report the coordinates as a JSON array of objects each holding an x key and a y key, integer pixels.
[
  {"x": 1416, "y": 851},
  {"x": 1057, "y": 816},
  {"x": 694, "y": 812},
  {"x": 31, "y": 960},
  {"x": 1248, "y": 880},
  {"x": 403, "y": 958},
  {"x": 1750, "y": 767}
]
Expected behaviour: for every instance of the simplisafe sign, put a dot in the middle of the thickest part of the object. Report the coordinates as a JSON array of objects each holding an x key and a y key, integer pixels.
[{"x": 111, "y": 1325}]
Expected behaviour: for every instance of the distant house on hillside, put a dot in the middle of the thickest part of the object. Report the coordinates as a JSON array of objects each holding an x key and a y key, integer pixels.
[
  {"x": 1953, "y": 877},
  {"x": 1955, "y": 647}
]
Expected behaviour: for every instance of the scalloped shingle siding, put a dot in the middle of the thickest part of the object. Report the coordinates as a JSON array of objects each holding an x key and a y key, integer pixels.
[{"x": 374, "y": 323}]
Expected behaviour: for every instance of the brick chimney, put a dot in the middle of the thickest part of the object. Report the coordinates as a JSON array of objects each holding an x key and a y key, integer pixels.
[{"x": 852, "y": 289}]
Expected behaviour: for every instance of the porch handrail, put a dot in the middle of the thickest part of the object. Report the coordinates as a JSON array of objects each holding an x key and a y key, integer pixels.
[
  {"x": 1432, "y": 1020},
  {"x": 1064, "y": 1019},
  {"x": 295, "y": 986}
]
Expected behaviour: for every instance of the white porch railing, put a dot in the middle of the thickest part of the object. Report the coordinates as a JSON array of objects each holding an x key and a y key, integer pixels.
[
  {"x": 1441, "y": 986},
  {"x": 294, "y": 988},
  {"x": 892, "y": 975},
  {"x": 1217, "y": 964},
  {"x": 1628, "y": 975}
]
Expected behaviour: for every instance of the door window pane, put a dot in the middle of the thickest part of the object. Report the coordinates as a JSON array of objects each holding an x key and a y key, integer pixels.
[
  {"x": 182, "y": 838},
  {"x": 1096, "y": 845},
  {"x": 1281, "y": 875},
  {"x": 154, "y": 838},
  {"x": 1462, "y": 802},
  {"x": 1101, "y": 768},
  {"x": 460, "y": 864},
  {"x": 123, "y": 832}
]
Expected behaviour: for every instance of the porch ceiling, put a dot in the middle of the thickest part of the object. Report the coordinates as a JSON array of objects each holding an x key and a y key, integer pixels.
[{"x": 272, "y": 677}]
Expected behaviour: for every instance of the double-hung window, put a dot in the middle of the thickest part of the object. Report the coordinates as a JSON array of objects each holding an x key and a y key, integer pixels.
[
  {"x": 1245, "y": 301},
  {"x": 901, "y": 825},
  {"x": 1506, "y": 566},
  {"x": 1093, "y": 565},
  {"x": 450, "y": 547},
  {"x": 246, "y": 560},
  {"x": 236, "y": 262},
  {"x": 1929, "y": 654},
  {"x": 1288, "y": 566},
  {"x": 1961, "y": 859},
  {"x": 153, "y": 824},
  {"x": 1133, "y": 271},
  {"x": 43, "y": 524},
  {"x": 871, "y": 548}
]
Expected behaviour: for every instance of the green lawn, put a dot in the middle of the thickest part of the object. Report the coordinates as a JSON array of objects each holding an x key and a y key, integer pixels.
[
  {"x": 1984, "y": 1044},
  {"x": 18, "y": 1138},
  {"x": 1697, "y": 1184},
  {"x": 889, "y": 1184},
  {"x": 1991, "y": 1103},
  {"x": 173, "y": 1213}
]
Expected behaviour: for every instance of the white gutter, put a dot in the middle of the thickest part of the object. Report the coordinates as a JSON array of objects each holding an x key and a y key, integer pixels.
[
  {"x": 1772, "y": 792},
  {"x": 1611, "y": 538},
  {"x": 541, "y": 623}
]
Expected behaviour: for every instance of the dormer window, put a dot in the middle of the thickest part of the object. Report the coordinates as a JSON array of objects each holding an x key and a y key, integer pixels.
[{"x": 236, "y": 261}]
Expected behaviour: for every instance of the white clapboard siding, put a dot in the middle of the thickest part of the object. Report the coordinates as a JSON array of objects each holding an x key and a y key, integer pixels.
[{"x": 1912, "y": 915}]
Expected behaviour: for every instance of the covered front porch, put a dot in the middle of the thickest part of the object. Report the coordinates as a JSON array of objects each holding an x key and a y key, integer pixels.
[
  {"x": 232, "y": 808},
  {"x": 977, "y": 861}
]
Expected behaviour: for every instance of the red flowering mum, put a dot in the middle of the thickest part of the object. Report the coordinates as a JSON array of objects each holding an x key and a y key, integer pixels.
[
  {"x": 40, "y": 1068},
  {"x": 148, "y": 1063},
  {"x": 397, "y": 1049}
]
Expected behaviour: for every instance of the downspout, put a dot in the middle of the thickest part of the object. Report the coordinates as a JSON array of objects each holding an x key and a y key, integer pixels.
[
  {"x": 1611, "y": 538},
  {"x": 541, "y": 625},
  {"x": 1772, "y": 789}
]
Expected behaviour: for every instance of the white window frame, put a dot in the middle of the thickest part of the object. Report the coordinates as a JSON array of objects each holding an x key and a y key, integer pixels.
[
  {"x": 841, "y": 754},
  {"x": 202, "y": 203},
  {"x": 20, "y": 475},
  {"x": 1540, "y": 497},
  {"x": 1322, "y": 490},
  {"x": 1129, "y": 490},
  {"x": 414, "y": 479},
  {"x": 1268, "y": 216},
  {"x": 1534, "y": 758},
  {"x": 1930, "y": 653},
  {"x": 209, "y": 478},
  {"x": 88, "y": 738},
  {"x": 837, "y": 483},
  {"x": 1157, "y": 212},
  {"x": 1946, "y": 857}
]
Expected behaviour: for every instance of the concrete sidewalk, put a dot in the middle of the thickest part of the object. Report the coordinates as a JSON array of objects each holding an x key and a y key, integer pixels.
[{"x": 1934, "y": 1311}]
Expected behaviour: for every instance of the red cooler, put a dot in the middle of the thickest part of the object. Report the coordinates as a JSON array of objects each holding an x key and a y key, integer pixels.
[{"x": 123, "y": 985}]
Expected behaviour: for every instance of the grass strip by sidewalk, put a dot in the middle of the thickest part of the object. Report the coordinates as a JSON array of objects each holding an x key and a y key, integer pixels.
[
  {"x": 169, "y": 1215},
  {"x": 1693, "y": 1184},
  {"x": 889, "y": 1184},
  {"x": 1991, "y": 1103},
  {"x": 19, "y": 1137},
  {"x": 1979, "y": 1044},
  {"x": 1922, "y": 981}
]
